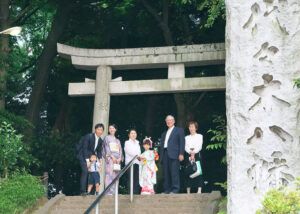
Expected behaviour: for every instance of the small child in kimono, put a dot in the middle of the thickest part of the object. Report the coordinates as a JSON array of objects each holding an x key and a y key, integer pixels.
[{"x": 147, "y": 172}]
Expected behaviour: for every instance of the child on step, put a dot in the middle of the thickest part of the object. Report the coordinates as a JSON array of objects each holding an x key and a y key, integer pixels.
[
  {"x": 147, "y": 175},
  {"x": 94, "y": 168}
]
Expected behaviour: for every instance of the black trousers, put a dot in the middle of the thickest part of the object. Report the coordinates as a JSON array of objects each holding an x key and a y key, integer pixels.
[
  {"x": 171, "y": 174},
  {"x": 84, "y": 176},
  {"x": 136, "y": 184}
]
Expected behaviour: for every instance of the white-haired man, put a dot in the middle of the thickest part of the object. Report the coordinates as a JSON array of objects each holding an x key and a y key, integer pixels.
[{"x": 172, "y": 151}]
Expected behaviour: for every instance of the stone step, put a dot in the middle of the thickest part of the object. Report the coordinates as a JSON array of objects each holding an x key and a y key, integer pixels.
[
  {"x": 173, "y": 204},
  {"x": 167, "y": 210},
  {"x": 181, "y": 205},
  {"x": 135, "y": 201},
  {"x": 158, "y": 197}
]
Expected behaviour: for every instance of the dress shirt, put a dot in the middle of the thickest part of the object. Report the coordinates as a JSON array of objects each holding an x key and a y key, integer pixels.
[
  {"x": 193, "y": 141},
  {"x": 132, "y": 148},
  {"x": 96, "y": 142},
  {"x": 168, "y": 136}
]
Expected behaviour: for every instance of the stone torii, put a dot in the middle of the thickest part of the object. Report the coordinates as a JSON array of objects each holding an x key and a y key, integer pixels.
[{"x": 175, "y": 58}]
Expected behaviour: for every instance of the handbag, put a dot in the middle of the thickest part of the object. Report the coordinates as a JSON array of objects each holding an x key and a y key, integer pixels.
[
  {"x": 198, "y": 171},
  {"x": 190, "y": 168},
  {"x": 116, "y": 167}
]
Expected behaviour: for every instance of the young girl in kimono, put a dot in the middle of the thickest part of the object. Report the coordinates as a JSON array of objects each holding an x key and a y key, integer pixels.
[{"x": 147, "y": 175}]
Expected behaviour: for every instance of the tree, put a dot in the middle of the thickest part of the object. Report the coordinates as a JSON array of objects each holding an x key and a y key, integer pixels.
[
  {"x": 11, "y": 13},
  {"x": 44, "y": 62},
  {"x": 4, "y": 48}
]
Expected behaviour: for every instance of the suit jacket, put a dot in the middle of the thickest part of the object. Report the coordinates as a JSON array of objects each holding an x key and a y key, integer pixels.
[
  {"x": 176, "y": 143},
  {"x": 89, "y": 146}
]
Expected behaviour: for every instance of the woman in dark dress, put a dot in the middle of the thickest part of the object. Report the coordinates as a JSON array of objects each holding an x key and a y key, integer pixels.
[{"x": 193, "y": 146}]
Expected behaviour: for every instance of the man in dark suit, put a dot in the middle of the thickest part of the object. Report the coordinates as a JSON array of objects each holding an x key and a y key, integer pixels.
[
  {"x": 172, "y": 151},
  {"x": 92, "y": 145}
]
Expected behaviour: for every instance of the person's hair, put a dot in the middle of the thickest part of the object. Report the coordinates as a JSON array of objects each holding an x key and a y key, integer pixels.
[
  {"x": 170, "y": 116},
  {"x": 113, "y": 125},
  {"x": 147, "y": 141},
  {"x": 93, "y": 155},
  {"x": 193, "y": 123},
  {"x": 99, "y": 125},
  {"x": 131, "y": 130}
]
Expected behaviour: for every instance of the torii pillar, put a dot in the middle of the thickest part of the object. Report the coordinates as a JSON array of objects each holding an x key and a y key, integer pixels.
[{"x": 102, "y": 96}]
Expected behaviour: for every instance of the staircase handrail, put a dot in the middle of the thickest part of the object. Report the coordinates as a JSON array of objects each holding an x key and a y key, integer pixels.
[{"x": 114, "y": 181}]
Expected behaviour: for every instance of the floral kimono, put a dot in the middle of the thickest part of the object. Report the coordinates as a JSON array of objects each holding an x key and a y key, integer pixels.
[
  {"x": 111, "y": 147},
  {"x": 147, "y": 171}
]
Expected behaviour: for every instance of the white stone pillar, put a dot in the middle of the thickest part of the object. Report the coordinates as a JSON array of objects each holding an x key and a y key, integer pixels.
[
  {"x": 102, "y": 104},
  {"x": 262, "y": 59},
  {"x": 102, "y": 97},
  {"x": 176, "y": 71}
]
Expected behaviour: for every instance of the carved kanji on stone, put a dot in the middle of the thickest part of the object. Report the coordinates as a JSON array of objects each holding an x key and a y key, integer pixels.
[
  {"x": 266, "y": 52},
  {"x": 266, "y": 92},
  {"x": 270, "y": 9},
  {"x": 269, "y": 174}
]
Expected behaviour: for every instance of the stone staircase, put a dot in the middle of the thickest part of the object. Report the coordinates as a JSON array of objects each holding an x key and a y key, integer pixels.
[{"x": 205, "y": 203}]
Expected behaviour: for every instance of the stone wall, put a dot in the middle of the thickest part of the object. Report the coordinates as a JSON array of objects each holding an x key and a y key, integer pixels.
[{"x": 263, "y": 107}]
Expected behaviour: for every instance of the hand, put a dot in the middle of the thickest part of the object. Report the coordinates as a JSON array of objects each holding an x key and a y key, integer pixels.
[{"x": 180, "y": 158}]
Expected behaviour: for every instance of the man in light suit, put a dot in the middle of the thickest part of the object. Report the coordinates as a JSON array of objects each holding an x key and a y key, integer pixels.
[
  {"x": 172, "y": 152},
  {"x": 92, "y": 145}
]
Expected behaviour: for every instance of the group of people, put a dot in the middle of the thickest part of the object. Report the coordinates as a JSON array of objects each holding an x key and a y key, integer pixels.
[{"x": 176, "y": 150}]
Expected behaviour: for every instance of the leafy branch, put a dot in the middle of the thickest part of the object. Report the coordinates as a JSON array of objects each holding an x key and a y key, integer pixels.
[{"x": 218, "y": 140}]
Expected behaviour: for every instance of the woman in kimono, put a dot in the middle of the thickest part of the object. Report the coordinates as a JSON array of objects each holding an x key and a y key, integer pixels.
[
  {"x": 148, "y": 168},
  {"x": 112, "y": 153}
]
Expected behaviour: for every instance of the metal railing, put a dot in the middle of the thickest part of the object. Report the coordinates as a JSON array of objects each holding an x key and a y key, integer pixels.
[{"x": 96, "y": 203}]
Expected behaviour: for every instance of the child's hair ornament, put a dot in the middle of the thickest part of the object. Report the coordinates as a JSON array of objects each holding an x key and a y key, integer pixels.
[{"x": 148, "y": 141}]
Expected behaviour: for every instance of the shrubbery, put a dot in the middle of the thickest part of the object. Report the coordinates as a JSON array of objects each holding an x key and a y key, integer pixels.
[
  {"x": 19, "y": 192},
  {"x": 14, "y": 154},
  {"x": 282, "y": 201}
]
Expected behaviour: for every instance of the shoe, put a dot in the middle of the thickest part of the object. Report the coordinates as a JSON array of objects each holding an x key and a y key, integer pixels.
[{"x": 84, "y": 194}]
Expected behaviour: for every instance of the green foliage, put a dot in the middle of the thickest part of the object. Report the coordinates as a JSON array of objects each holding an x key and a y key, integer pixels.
[
  {"x": 26, "y": 49},
  {"x": 19, "y": 123},
  {"x": 215, "y": 9},
  {"x": 222, "y": 185},
  {"x": 14, "y": 155},
  {"x": 222, "y": 206},
  {"x": 19, "y": 192},
  {"x": 54, "y": 149},
  {"x": 219, "y": 135},
  {"x": 282, "y": 201},
  {"x": 297, "y": 83}
]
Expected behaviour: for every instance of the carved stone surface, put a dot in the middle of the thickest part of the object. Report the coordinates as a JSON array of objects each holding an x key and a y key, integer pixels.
[{"x": 263, "y": 107}]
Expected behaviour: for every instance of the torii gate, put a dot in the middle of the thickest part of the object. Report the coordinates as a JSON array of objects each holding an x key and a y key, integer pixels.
[{"x": 174, "y": 58}]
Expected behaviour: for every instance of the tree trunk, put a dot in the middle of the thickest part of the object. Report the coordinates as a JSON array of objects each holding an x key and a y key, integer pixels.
[
  {"x": 4, "y": 49},
  {"x": 45, "y": 60},
  {"x": 61, "y": 122}
]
